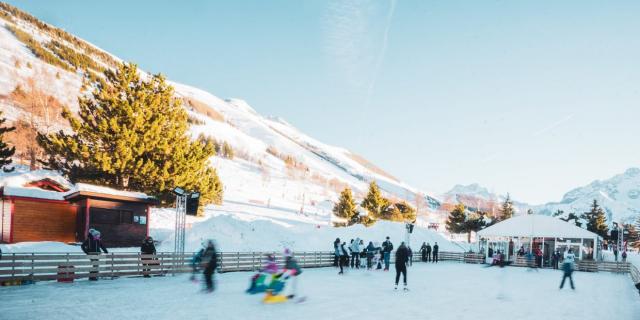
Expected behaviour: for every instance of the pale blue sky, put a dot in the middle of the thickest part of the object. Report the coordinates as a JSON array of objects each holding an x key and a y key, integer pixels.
[{"x": 532, "y": 98}]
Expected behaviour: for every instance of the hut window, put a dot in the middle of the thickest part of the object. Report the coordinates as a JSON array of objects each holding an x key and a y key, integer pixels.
[
  {"x": 126, "y": 216},
  {"x": 106, "y": 216}
]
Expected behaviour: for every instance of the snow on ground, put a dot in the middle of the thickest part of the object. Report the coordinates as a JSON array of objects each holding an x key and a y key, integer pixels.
[{"x": 443, "y": 291}]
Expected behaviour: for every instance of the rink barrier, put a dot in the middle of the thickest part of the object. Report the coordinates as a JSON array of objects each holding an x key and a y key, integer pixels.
[{"x": 17, "y": 268}]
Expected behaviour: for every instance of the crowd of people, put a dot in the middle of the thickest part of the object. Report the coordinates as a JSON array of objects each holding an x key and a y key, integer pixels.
[{"x": 355, "y": 255}]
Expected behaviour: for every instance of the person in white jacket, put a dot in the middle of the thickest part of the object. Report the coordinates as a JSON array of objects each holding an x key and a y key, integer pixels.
[
  {"x": 567, "y": 267},
  {"x": 355, "y": 253}
]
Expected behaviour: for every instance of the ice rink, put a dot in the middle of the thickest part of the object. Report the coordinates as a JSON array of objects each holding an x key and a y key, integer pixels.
[{"x": 442, "y": 291}]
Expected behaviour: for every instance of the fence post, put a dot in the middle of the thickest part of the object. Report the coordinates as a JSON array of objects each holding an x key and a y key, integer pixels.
[
  {"x": 238, "y": 261},
  {"x": 32, "y": 266}
]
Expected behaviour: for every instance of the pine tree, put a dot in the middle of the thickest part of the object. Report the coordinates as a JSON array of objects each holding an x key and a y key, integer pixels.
[
  {"x": 507, "y": 210},
  {"x": 632, "y": 237},
  {"x": 558, "y": 213},
  {"x": 596, "y": 221},
  {"x": 227, "y": 150},
  {"x": 346, "y": 207},
  {"x": 407, "y": 212},
  {"x": 475, "y": 222},
  {"x": 132, "y": 134},
  {"x": 457, "y": 218},
  {"x": 574, "y": 217},
  {"x": 374, "y": 202},
  {"x": 6, "y": 152}
]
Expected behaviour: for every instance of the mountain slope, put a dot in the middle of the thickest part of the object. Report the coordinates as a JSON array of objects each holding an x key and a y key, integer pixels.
[
  {"x": 619, "y": 196},
  {"x": 277, "y": 170}
]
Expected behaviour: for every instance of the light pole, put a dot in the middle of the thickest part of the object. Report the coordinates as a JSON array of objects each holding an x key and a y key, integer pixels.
[{"x": 181, "y": 217}]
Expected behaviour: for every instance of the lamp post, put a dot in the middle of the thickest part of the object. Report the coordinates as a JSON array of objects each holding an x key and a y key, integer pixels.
[{"x": 181, "y": 216}]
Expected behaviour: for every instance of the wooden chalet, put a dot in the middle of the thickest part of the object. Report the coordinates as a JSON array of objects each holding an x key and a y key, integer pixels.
[{"x": 36, "y": 208}]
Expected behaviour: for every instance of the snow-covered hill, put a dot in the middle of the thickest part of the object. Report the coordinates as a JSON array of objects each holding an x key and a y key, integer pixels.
[{"x": 277, "y": 170}]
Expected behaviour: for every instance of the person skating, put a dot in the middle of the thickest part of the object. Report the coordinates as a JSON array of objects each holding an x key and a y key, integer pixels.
[
  {"x": 92, "y": 246},
  {"x": 556, "y": 259},
  {"x": 336, "y": 253},
  {"x": 428, "y": 252},
  {"x": 402, "y": 258},
  {"x": 363, "y": 255},
  {"x": 423, "y": 252},
  {"x": 567, "y": 268},
  {"x": 371, "y": 250},
  {"x": 355, "y": 253},
  {"x": 291, "y": 269},
  {"x": 344, "y": 257},
  {"x": 350, "y": 256},
  {"x": 410, "y": 256},
  {"x": 387, "y": 247},
  {"x": 210, "y": 264},
  {"x": 147, "y": 247},
  {"x": 435, "y": 252}
]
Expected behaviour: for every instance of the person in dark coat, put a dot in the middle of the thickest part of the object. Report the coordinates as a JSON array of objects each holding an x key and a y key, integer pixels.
[
  {"x": 435, "y": 252},
  {"x": 428, "y": 252},
  {"x": 336, "y": 256},
  {"x": 344, "y": 257},
  {"x": 402, "y": 258},
  {"x": 387, "y": 247},
  {"x": 92, "y": 246},
  {"x": 423, "y": 252},
  {"x": 147, "y": 247},
  {"x": 371, "y": 250},
  {"x": 210, "y": 264}
]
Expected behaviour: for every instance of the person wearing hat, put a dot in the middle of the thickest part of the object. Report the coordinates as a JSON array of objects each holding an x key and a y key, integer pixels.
[
  {"x": 147, "y": 247},
  {"x": 92, "y": 246},
  {"x": 291, "y": 269},
  {"x": 387, "y": 247}
]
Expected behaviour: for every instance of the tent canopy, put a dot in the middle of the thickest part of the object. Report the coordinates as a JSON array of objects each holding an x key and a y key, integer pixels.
[{"x": 534, "y": 225}]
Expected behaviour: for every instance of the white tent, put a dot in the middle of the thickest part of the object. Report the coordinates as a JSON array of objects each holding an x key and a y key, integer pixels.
[
  {"x": 534, "y": 225},
  {"x": 532, "y": 228}
]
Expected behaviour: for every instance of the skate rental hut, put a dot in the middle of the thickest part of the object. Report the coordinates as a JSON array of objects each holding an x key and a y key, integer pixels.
[
  {"x": 43, "y": 206},
  {"x": 533, "y": 231}
]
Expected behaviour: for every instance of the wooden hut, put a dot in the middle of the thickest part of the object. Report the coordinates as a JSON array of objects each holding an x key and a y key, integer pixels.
[{"x": 42, "y": 206}]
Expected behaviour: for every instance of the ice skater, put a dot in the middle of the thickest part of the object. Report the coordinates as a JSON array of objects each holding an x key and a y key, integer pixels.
[
  {"x": 567, "y": 267},
  {"x": 210, "y": 264},
  {"x": 402, "y": 259},
  {"x": 344, "y": 257},
  {"x": 436, "y": 249},
  {"x": 387, "y": 247}
]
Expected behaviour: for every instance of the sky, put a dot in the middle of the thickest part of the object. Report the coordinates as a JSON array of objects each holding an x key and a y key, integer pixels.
[{"x": 531, "y": 98}]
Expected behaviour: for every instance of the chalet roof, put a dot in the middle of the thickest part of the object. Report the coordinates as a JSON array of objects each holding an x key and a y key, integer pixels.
[
  {"x": 535, "y": 225},
  {"x": 24, "y": 183}
]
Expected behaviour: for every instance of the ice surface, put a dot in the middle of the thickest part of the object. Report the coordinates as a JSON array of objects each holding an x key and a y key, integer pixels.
[{"x": 443, "y": 291}]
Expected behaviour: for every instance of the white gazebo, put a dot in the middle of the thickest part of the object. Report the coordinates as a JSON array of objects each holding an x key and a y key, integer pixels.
[{"x": 538, "y": 231}]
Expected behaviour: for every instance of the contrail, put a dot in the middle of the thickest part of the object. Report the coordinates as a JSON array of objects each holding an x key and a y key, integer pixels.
[
  {"x": 381, "y": 55},
  {"x": 553, "y": 126}
]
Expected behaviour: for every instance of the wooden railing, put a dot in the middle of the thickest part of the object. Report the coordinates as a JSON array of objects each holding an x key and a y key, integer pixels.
[{"x": 26, "y": 267}]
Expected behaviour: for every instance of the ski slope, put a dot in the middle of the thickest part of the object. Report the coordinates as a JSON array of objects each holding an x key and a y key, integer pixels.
[{"x": 443, "y": 291}]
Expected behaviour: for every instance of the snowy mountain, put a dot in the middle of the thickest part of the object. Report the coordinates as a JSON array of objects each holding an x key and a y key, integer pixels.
[
  {"x": 279, "y": 175},
  {"x": 619, "y": 196}
]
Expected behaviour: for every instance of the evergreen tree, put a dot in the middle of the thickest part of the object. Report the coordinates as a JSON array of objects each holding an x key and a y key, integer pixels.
[
  {"x": 507, "y": 210},
  {"x": 132, "y": 134},
  {"x": 596, "y": 221},
  {"x": 374, "y": 203},
  {"x": 632, "y": 238},
  {"x": 6, "y": 152},
  {"x": 574, "y": 217},
  {"x": 457, "y": 218},
  {"x": 475, "y": 222},
  {"x": 558, "y": 213},
  {"x": 529, "y": 211},
  {"x": 346, "y": 207},
  {"x": 407, "y": 212},
  {"x": 227, "y": 150}
]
